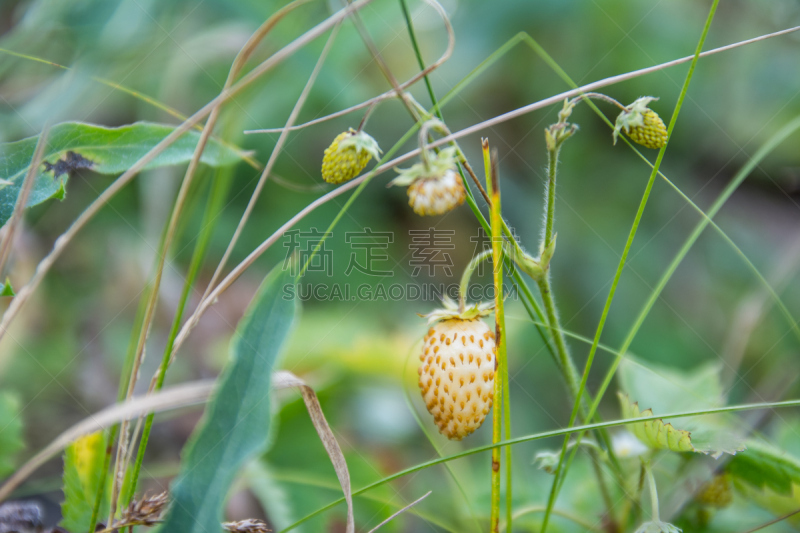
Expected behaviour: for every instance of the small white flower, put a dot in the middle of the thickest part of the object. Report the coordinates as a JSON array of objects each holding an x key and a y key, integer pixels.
[{"x": 625, "y": 444}]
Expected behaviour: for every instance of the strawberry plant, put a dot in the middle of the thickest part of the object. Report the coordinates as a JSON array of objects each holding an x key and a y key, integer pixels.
[{"x": 210, "y": 402}]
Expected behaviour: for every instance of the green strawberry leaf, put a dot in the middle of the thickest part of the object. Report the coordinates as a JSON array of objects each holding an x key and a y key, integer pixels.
[
  {"x": 83, "y": 467},
  {"x": 665, "y": 390},
  {"x": 236, "y": 423},
  {"x": 76, "y": 145},
  {"x": 10, "y": 432},
  {"x": 769, "y": 477},
  {"x": 655, "y": 433},
  {"x": 765, "y": 467}
]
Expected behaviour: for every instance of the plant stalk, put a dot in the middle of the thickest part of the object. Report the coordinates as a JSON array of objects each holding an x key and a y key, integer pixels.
[
  {"x": 564, "y": 359},
  {"x": 217, "y": 194},
  {"x": 493, "y": 189},
  {"x": 651, "y": 481},
  {"x": 609, "y": 375}
]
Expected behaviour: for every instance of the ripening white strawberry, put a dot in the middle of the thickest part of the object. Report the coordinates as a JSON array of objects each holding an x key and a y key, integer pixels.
[
  {"x": 434, "y": 185},
  {"x": 436, "y": 195},
  {"x": 456, "y": 372}
]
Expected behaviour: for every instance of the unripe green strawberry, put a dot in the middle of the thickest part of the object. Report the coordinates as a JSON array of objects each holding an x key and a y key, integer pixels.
[
  {"x": 642, "y": 124},
  {"x": 434, "y": 186},
  {"x": 456, "y": 373},
  {"x": 347, "y": 156},
  {"x": 436, "y": 195}
]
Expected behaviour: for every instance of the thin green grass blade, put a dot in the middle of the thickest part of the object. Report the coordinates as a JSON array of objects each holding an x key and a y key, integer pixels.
[
  {"x": 124, "y": 376},
  {"x": 778, "y": 301},
  {"x": 298, "y": 478},
  {"x": 560, "y": 475},
  {"x": 217, "y": 195},
  {"x": 779, "y": 137},
  {"x": 544, "y": 435}
]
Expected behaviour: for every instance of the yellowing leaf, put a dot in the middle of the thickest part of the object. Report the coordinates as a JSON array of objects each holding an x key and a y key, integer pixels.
[
  {"x": 83, "y": 464},
  {"x": 655, "y": 433}
]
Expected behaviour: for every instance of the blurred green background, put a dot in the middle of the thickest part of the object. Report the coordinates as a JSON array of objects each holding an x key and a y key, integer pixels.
[{"x": 63, "y": 356}]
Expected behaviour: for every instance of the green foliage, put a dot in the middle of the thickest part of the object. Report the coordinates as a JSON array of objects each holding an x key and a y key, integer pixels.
[
  {"x": 10, "y": 432},
  {"x": 74, "y": 145},
  {"x": 83, "y": 465},
  {"x": 655, "y": 433},
  {"x": 765, "y": 467},
  {"x": 237, "y": 421},
  {"x": 669, "y": 390},
  {"x": 8, "y": 290},
  {"x": 768, "y": 477},
  {"x": 651, "y": 389}
]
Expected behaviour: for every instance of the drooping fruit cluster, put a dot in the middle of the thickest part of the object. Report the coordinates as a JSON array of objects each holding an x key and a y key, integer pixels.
[
  {"x": 434, "y": 185},
  {"x": 456, "y": 372},
  {"x": 347, "y": 156},
  {"x": 642, "y": 124}
]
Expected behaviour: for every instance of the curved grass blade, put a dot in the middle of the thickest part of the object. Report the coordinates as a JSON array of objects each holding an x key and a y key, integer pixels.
[
  {"x": 558, "y": 481},
  {"x": 530, "y": 41},
  {"x": 237, "y": 421},
  {"x": 75, "y": 145},
  {"x": 543, "y": 435},
  {"x": 301, "y": 479},
  {"x": 184, "y": 395}
]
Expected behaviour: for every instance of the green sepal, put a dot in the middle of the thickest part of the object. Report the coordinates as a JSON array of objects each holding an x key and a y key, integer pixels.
[
  {"x": 438, "y": 165},
  {"x": 632, "y": 116},
  {"x": 450, "y": 310},
  {"x": 362, "y": 142},
  {"x": 8, "y": 290}
]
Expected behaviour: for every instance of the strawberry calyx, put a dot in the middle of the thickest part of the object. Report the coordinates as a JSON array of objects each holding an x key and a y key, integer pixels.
[
  {"x": 436, "y": 167},
  {"x": 632, "y": 116},
  {"x": 450, "y": 310},
  {"x": 361, "y": 141}
]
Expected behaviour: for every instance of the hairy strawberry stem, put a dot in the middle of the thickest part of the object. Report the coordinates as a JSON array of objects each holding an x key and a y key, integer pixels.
[
  {"x": 620, "y": 267},
  {"x": 555, "y": 136}
]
